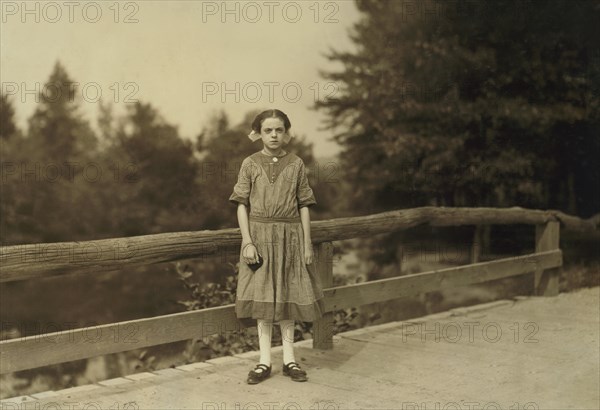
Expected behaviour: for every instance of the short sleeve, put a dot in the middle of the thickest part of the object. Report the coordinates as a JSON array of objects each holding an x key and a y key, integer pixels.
[
  {"x": 304, "y": 192},
  {"x": 241, "y": 190}
]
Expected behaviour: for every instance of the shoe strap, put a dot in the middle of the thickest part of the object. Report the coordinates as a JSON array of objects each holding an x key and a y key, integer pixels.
[
  {"x": 291, "y": 365},
  {"x": 262, "y": 366}
]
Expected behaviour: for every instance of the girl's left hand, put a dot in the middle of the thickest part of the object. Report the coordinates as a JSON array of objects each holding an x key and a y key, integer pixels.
[{"x": 308, "y": 253}]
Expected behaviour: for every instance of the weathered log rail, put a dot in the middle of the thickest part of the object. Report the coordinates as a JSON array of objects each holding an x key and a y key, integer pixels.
[
  {"x": 31, "y": 261},
  {"x": 20, "y": 262}
]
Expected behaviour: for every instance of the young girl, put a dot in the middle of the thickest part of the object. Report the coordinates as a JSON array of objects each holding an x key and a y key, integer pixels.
[{"x": 273, "y": 184}]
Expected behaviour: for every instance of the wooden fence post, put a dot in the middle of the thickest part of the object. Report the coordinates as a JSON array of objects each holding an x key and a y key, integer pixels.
[
  {"x": 476, "y": 245},
  {"x": 547, "y": 238},
  {"x": 323, "y": 328}
]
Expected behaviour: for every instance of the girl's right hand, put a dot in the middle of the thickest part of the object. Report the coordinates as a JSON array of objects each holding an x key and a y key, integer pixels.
[{"x": 250, "y": 254}]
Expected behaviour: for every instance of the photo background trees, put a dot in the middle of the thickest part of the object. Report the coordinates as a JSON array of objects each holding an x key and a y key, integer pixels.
[
  {"x": 63, "y": 181},
  {"x": 471, "y": 104}
]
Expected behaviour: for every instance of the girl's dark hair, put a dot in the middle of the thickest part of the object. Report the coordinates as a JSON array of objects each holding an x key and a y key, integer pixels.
[{"x": 256, "y": 124}]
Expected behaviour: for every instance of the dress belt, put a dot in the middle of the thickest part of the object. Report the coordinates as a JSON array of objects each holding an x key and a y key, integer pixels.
[{"x": 274, "y": 219}]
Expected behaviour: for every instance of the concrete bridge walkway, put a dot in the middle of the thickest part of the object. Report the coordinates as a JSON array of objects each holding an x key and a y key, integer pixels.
[{"x": 526, "y": 353}]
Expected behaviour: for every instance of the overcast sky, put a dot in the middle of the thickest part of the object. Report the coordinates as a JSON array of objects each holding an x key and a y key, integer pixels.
[{"x": 188, "y": 58}]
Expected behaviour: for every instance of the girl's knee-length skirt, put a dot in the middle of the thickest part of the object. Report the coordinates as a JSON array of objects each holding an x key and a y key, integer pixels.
[{"x": 284, "y": 287}]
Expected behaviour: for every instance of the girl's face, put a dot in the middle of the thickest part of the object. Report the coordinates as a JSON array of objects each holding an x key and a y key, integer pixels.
[{"x": 272, "y": 133}]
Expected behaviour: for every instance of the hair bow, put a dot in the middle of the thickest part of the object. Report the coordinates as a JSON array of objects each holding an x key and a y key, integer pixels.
[{"x": 254, "y": 136}]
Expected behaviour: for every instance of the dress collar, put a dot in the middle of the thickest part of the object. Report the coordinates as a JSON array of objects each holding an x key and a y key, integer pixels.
[{"x": 271, "y": 156}]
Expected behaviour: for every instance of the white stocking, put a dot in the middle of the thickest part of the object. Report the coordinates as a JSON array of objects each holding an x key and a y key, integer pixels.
[
  {"x": 265, "y": 330},
  {"x": 287, "y": 340}
]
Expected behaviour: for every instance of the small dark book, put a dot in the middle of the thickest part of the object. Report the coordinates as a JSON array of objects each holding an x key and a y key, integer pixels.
[{"x": 255, "y": 266}]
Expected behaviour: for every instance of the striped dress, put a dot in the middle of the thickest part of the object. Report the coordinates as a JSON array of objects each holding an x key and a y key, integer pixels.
[{"x": 284, "y": 287}]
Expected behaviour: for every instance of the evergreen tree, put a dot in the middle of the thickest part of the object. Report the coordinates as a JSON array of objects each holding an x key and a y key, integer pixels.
[
  {"x": 470, "y": 104},
  {"x": 10, "y": 146},
  {"x": 7, "y": 118},
  {"x": 57, "y": 127},
  {"x": 51, "y": 196},
  {"x": 155, "y": 170}
]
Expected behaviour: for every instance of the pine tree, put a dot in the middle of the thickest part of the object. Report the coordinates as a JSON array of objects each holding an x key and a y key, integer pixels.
[
  {"x": 55, "y": 196},
  {"x": 7, "y": 118},
  {"x": 470, "y": 104},
  {"x": 156, "y": 172},
  {"x": 57, "y": 127}
]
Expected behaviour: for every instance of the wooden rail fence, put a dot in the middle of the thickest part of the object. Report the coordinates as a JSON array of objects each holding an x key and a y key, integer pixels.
[{"x": 24, "y": 262}]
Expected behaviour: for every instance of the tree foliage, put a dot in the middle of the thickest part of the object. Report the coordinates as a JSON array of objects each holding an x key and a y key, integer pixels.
[
  {"x": 7, "y": 118},
  {"x": 57, "y": 128},
  {"x": 471, "y": 103},
  {"x": 133, "y": 174},
  {"x": 156, "y": 172}
]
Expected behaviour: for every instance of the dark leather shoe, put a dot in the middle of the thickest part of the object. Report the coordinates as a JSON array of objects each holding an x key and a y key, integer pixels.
[
  {"x": 293, "y": 370},
  {"x": 255, "y": 377}
]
